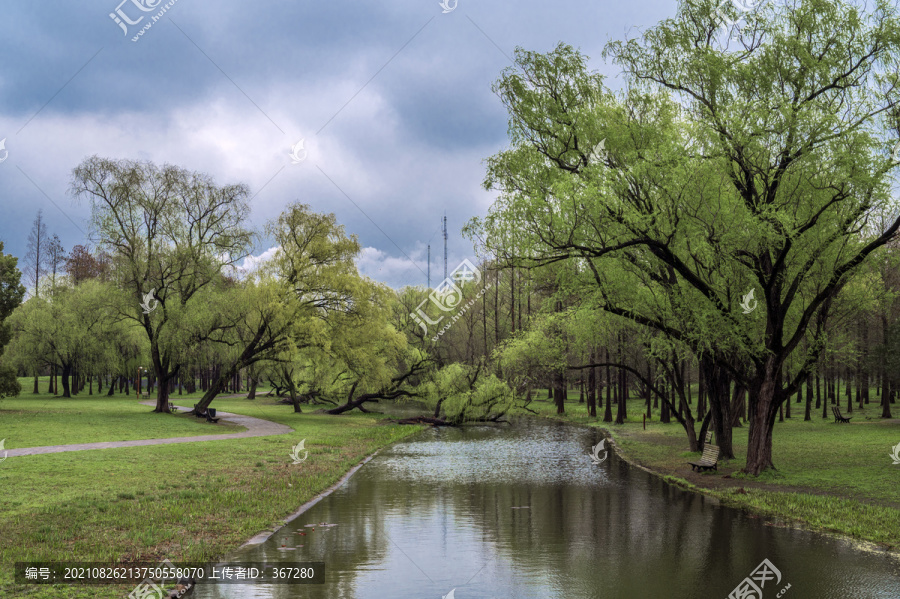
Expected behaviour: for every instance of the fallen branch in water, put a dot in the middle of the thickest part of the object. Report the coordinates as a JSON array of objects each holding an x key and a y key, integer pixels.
[{"x": 426, "y": 420}]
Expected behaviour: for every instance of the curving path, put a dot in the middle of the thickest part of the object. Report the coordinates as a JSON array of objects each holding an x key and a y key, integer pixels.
[{"x": 256, "y": 427}]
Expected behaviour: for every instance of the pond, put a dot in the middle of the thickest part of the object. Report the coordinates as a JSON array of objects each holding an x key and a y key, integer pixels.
[{"x": 521, "y": 512}]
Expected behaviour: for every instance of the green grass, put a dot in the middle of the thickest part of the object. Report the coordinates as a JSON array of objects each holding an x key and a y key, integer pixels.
[
  {"x": 36, "y": 420},
  {"x": 185, "y": 502},
  {"x": 829, "y": 476}
]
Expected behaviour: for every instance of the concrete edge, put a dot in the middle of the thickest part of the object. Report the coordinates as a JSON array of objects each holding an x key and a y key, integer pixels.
[{"x": 264, "y": 536}]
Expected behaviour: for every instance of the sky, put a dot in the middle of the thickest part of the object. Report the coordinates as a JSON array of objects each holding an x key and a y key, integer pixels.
[{"x": 390, "y": 103}]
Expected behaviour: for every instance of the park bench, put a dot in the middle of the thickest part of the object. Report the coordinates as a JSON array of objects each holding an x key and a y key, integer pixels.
[
  {"x": 208, "y": 414},
  {"x": 173, "y": 408},
  {"x": 710, "y": 458},
  {"x": 838, "y": 417}
]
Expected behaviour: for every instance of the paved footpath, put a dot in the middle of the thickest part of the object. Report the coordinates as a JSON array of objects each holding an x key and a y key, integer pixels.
[{"x": 256, "y": 427}]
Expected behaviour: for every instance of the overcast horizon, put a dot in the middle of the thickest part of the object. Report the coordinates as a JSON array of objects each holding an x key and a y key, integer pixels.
[{"x": 392, "y": 101}]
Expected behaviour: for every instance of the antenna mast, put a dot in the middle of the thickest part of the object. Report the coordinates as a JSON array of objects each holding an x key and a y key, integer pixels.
[{"x": 444, "y": 225}]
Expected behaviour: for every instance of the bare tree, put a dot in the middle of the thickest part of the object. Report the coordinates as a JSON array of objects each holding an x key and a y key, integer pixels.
[
  {"x": 56, "y": 257},
  {"x": 36, "y": 258}
]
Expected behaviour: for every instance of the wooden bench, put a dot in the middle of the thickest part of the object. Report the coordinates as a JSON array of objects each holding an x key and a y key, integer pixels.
[
  {"x": 208, "y": 414},
  {"x": 173, "y": 408},
  {"x": 838, "y": 417},
  {"x": 710, "y": 458}
]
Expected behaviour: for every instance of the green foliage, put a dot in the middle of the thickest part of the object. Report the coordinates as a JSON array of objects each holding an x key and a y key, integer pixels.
[
  {"x": 171, "y": 233},
  {"x": 724, "y": 171},
  {"x": 11, "y": 294},
  {"x": 75, "y": 325},
  {"x": 465, "y": 394}
]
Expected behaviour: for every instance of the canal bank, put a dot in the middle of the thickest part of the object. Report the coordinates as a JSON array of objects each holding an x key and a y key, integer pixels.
[
  {"x": 829, "y": 478},
  {"x": 523, "y": 512}
]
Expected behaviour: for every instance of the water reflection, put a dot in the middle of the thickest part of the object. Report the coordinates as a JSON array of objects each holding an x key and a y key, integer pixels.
[{"x": 521, "y": 512}]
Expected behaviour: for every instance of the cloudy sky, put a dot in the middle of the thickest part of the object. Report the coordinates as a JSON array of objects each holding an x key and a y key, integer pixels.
[{"x": 392, "y": 101}]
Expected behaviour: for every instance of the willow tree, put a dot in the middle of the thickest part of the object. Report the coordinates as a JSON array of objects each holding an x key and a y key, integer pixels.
[
  {"x": 170, "y": 233},
  {"x": 11, "y": 293},
  {"x": 722, "y": 167}
]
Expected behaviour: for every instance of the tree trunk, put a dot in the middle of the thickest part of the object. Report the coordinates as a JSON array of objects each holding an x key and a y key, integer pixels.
[
  {"x": 718, "y": 385},
  {"x": 664, "y": 408},
  {"x": 885, "y": 403},
  {"x": 818, "y": 392},
  {"x": 622, "y": 408},
  {"x": 559, "y": 393},
  {"x": 849, "y": 385},
  {"x": 592, "y": 387},
  {"x": 66, "y": 371},
  {"x": 739, "y": 395},
  {"x": 162, "y": 377},
  {"x": 649, "y": 391},
  {"x": 764, "y": 404},
  {"x": 607, "y": 413},
  {"x": 807, "y": 415}
]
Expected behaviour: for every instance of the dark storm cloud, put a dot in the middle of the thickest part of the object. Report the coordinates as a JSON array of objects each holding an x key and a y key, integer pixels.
[{"x": 392, "y": 99}]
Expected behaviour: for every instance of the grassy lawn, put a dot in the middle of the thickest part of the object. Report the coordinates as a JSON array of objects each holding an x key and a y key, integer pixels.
[
  {"x": 832, "y": 477},
  {"x": 191, "y": 501},
  {"x": 43, "y": 419}
]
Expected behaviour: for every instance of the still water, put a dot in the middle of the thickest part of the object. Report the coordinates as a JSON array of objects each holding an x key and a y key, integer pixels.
[{"x": 521, "y": 512}]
